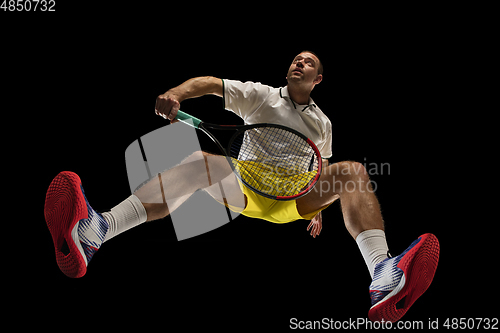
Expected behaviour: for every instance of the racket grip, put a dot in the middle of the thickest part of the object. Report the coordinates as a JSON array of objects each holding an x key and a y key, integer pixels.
[{"x": 182, "y": 116}]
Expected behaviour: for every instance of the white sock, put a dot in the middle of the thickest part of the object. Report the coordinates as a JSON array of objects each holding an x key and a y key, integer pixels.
[
  {"x": 128, "y": 214},
  {"x": 373, "y": 247}
]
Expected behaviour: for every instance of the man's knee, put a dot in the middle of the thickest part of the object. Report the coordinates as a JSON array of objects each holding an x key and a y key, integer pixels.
[
  {"x": 347, "y": 176},
  {"x": 357, "y": 169},
  {"x": 349, "y": 169},
  {"x": 195, "y": 156},
  {"x": 198, "y": 155}
]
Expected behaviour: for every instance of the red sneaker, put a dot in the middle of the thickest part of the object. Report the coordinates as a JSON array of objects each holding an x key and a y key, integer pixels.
[
  {"x": 399, "y": 281},
  {"x": 77, "y": 230}
]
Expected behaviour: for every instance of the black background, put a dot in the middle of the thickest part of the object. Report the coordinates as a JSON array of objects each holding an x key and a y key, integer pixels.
[{"x": 82, "y": 83}]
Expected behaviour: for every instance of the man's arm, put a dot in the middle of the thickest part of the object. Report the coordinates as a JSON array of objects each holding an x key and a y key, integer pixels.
[
  {"x": 317, "y": 221},
  {"x": 168, "y": 103}
]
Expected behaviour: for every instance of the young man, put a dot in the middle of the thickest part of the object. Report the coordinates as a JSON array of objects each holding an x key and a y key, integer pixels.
[{"x": 78, "y": 231}]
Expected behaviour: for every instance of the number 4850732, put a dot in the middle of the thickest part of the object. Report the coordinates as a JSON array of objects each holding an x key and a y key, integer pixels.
[
  {"x": 28, "y": 5},
  {"x": 471, "y": 323}
]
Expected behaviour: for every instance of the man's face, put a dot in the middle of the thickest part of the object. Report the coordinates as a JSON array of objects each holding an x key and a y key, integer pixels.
[{"x": 304, "y": 69}]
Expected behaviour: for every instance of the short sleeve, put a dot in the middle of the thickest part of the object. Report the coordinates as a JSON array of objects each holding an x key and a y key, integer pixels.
[
  {"x": 244, "y": 98},
  {"x": 326, "y": 149}
]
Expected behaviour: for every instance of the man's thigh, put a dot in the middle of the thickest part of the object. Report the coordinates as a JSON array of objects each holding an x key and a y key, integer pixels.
[
  {"x": 323, "y": 193},
  {"x": 224, "y": 186}
]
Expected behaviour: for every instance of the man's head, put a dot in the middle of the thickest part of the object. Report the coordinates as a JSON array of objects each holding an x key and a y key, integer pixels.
[{"x": 306, "y": 70}]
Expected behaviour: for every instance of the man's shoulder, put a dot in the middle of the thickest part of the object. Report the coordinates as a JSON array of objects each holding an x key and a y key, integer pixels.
[
  {"x": 249, "y": 85},
  {"x": 320, "y": 114}
]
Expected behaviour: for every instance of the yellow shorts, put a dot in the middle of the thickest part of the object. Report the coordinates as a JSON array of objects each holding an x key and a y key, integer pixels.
[
  {"x": 268, "y": 209},
  {"x": 275, "y": 211}
]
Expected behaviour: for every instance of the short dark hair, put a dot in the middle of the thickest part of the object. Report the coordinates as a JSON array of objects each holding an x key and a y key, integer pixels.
[{"x": 320, "y": 67}]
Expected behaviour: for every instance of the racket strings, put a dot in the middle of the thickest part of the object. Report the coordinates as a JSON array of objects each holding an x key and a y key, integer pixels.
[{"x": 274, "y": 161}]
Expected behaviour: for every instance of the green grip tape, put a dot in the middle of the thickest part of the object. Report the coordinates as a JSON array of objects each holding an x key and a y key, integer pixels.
[{"x": 182, "y": 116}]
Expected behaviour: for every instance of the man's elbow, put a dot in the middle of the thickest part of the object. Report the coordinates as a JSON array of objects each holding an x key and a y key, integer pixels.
[{"x": 214, "y": 85}]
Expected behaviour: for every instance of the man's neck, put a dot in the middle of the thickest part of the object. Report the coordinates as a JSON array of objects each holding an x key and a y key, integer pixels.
[{"x": 298, "y": 95}]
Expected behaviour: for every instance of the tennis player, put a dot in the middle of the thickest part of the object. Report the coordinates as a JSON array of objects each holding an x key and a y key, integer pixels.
[{"x": 78, "y": 231}]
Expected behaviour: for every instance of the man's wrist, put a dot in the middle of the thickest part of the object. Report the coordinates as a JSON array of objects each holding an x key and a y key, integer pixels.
[{"x": 176, "y": 94}]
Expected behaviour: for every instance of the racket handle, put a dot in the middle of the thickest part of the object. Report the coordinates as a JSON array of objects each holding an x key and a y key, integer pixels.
[{"x": 182, "y": 116}]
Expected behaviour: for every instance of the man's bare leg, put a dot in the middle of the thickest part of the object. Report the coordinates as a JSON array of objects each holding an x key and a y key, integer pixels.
[
  {"x": 348, "y": 181},
  {"x": 396, "y": 282},
  {"x": 174, "y": 186}
]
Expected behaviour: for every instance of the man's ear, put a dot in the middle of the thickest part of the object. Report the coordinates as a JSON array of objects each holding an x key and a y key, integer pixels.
[{"x": 318, "y": 79}]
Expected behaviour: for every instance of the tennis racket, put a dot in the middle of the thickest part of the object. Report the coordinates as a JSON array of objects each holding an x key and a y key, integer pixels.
[{"x": 272, "y": 160}]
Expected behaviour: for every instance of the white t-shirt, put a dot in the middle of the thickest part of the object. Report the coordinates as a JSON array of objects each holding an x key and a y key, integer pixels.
[{"x": 258, "y": 103}]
